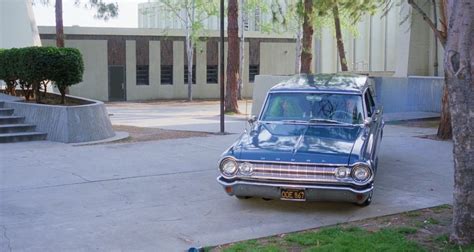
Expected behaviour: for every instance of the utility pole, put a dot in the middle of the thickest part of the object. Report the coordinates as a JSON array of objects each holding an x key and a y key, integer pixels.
[{"x": 221, "y": 77}]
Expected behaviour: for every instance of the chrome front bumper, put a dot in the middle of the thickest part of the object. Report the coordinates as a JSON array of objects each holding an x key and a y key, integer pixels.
[{"x": 272, "y": 190}]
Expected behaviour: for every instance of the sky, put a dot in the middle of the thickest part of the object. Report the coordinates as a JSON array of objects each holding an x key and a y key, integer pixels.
[{"x": 72, "y": 15}]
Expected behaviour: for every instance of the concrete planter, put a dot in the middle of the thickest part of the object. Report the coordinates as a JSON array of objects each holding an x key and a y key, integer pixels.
[{"x": 67, "y": 124}]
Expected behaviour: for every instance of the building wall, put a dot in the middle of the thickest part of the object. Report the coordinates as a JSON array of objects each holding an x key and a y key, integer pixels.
[
  {"x": 95, "y": 80},
  {"x": 129, "y": 50},
  {"x": 17, "y": 24}
]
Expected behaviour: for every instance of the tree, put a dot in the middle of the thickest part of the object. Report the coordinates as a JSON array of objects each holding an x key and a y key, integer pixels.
[
  {"x": 105, "y": 11},
  {"x": 444, "y": 128},
  {"x": 231, "y": 104},
  {"x": 191, "y": 14},
  {"x": 459, "y": 72},
  {"x": 307, "y": 40},
  {"x": 67, "y": 69},
  {"x": 350, "y": 13},
  {"x": 291, "y": 20}
]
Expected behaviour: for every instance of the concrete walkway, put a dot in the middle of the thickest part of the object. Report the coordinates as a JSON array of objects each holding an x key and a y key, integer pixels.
[
  {"x": 162, "y": 196},
  {"x": 195, "y": 116},
  {"x": 201, "y": 116}
]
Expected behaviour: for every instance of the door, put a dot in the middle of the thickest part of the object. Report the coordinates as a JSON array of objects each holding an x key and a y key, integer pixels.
[{"x": 117, "y": 83}]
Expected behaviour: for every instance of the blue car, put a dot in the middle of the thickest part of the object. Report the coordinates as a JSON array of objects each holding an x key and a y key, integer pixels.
[{"x": 316, "y": 139}]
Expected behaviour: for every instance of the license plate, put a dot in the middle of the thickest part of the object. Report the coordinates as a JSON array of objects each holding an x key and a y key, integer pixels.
[{"x": 293, "y": 194}]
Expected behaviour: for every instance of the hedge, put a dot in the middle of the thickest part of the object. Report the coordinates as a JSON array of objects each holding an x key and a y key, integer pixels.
[{"x": 32, "y": 67}]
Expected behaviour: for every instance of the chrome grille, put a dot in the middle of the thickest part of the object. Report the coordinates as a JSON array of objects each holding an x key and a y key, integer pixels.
[{"x": 299, "y": 172}]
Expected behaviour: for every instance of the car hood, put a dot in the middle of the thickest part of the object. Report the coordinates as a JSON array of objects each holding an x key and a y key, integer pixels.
[{"x": 313, "y": 143}]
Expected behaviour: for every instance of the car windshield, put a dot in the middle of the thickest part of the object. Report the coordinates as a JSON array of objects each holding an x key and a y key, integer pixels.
[{"x": 314, "y": 108}]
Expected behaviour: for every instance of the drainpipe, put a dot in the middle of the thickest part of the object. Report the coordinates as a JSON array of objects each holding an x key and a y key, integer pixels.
[{"x": 435, "y": 17}]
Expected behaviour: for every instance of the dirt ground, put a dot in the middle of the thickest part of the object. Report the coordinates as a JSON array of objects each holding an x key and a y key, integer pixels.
[{"x": 140, "y": 134}]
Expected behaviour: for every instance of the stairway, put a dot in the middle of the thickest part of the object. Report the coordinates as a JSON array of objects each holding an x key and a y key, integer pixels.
[{"x": 13, "y": 129}]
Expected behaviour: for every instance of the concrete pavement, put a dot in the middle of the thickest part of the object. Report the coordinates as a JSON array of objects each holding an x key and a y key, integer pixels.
[
  {"x": 195, "y": 116},
  {"x": 162, "y": 195}
]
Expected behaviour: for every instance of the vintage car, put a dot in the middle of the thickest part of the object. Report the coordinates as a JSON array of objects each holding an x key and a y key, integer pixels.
[{"x": 316, "y": 138}]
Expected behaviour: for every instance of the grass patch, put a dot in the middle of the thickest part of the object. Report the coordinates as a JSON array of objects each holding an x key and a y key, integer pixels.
[
  {"x": 413, "y": 214},
  {"x": 354, "y": 239},
  {"x": 421, "y": 230},
  {"x": 334, "y": 239},
  {"x": 253, "y": 246},
  {"x": 441, "y": 208},
  {"x": 405, "y": 230}
]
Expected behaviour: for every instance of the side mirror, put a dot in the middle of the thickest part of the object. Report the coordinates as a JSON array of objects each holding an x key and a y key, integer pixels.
[
  {"x": 252, "y": 120},
  {"x": 367, "y": 121}
]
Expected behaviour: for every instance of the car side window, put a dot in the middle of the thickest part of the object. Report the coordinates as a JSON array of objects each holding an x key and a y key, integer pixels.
[{"x": 369, "y": 103}]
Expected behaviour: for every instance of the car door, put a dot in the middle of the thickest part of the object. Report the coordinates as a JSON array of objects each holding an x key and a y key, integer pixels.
[{"x": 374, "y": 112}]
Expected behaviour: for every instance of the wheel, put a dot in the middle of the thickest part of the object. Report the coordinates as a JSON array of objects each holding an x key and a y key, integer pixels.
[{"x": 367, "y": 201}]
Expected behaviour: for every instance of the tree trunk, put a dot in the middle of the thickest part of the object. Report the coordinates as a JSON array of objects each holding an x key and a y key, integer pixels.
[
  {"x": 299, "y": 46},
  {"x": 340, "y": 42},
  {"x": 59, "y": 23},
  {"x": 306, "y": 54},
  {"x": 231, "y": 104},
  {"x": 444, "y": 128},
  {"x": 241, "y": 49},
  {"x": 459, "y": 71},
  {"x": 62, "y": 90},
  {"x": 37, "y": 92}
]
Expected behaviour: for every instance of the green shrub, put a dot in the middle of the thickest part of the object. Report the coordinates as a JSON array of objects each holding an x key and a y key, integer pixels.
[
  {"x": 9, "y": 68},
  {"x": 33, "y": 67},
  {"x": 68, "y": 69}
]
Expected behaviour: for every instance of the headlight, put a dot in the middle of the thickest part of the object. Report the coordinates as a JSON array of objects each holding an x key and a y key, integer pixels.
[
  {"x": 228, "y": 167},
  {"x": 361, "y": 173},
  {"x": 342, "y": 172},
  {"x": 246, "y": 169}
]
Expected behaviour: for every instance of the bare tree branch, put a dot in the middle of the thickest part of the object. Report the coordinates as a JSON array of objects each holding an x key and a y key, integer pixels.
[{"x": 430, "y": 23}]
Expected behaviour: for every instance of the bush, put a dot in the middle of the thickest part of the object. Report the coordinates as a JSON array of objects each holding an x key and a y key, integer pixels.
[
  {"x": 33, "y": 67},
  {"x": 9, "y": 69},
  {"x": 68, "y": 69}
]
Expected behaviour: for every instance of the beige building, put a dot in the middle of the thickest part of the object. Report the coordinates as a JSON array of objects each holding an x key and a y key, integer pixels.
[{"x": 140, "y": 64}]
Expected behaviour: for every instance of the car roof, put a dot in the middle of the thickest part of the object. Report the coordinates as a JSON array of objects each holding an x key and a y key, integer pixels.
[{"x": 346, "y": 83}]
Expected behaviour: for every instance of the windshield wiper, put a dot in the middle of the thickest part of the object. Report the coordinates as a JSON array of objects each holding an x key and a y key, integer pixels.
[
  {"x": 317, "y": 120},
  {"x": 294, "y": 121}
]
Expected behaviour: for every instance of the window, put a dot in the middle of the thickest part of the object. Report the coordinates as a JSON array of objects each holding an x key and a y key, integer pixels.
[
  {"x": 212, "y": 74},
  {"x": 166, "y": 75},
  {"x": 253, "y": 70},
  {"x": 186, "y": 74},
  {"x": 143, "y": 75},
  {"x": 369, "y": 103},
  {"x": 313, "y": 107}
]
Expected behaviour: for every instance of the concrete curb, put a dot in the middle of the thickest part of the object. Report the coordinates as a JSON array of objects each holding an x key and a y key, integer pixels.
[{"x": 119, "y": 135}]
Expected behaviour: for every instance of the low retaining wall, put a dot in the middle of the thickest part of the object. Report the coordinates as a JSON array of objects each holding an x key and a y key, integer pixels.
[
  {"x": 67, "y": 124},
  {"x": 411, "y": 94}
]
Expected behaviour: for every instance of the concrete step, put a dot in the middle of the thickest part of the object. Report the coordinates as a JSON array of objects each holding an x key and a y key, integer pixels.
[
  {"x": 1, "y": 104},
  {"x": 6, "y": 111},
  {"x": 21, "y": 137},
  {"x": 11, "y": 119},
  {"x": 12, "y": 128}
]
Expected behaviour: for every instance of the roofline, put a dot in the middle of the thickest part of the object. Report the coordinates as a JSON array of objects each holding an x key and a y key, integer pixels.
[
  {"x": 323, "y": 88},
  {"x": 321, "y": 91},
  {"x": 79, "y": 30}
]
